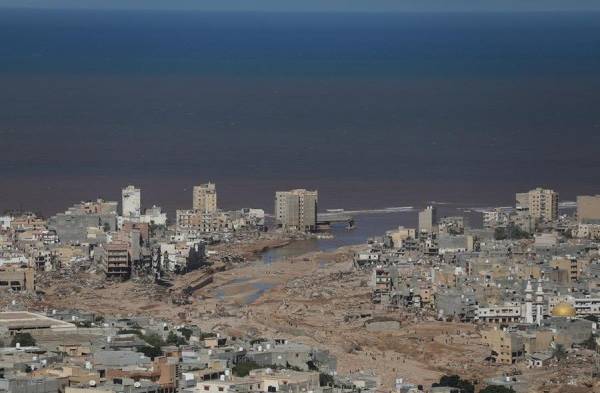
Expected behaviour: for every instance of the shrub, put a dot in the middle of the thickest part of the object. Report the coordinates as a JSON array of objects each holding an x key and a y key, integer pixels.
[
  {"x": 24, "y": 339},
  {"x": 455, "y": 381},
  {"x": 243, "y": 369},
  {"x": 497, "y": 389}
]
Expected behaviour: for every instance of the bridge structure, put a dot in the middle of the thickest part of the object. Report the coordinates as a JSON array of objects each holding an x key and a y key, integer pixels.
[{"x": 326, "y": 220}]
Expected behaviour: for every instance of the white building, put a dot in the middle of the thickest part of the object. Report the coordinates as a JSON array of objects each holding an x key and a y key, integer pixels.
[
  {"x": 509, "y": 312},
  {"x": 5, "y": 222},
  {"x": 585, "y": 305},
  {"x": 494, "y": 218},
  {"x": 155, "y": 216},
  {"x": 132, "y": 202},
  {"x": 533, "y": 310}
]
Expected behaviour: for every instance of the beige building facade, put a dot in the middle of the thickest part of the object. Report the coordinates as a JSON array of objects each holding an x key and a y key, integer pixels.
[
  {"x": 588, "y": 209},
  {"x": 427, "y": 219},
  {"x": 205, "y": 198},
  {"x": 543, "y": 204},
  {"x": 296, "y": 209},
  {"x": 17, "y": 279}
]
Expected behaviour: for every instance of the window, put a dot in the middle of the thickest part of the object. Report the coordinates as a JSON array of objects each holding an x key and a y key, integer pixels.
[
  {"x": 206, "y": 387},
  {"x": 221, "y": 388}
]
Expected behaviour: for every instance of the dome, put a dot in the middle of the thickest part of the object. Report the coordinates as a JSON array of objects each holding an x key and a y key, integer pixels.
[{"x": 563, "y": 310}]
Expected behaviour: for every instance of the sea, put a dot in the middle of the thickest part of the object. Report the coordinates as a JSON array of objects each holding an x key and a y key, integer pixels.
[{"x": 374, "y": 110}]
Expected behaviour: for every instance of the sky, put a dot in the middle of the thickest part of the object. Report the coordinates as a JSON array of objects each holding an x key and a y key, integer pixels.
[{"x": 317, "y": 5}]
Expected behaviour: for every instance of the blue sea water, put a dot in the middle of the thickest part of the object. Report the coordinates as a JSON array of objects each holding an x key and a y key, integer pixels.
[{"x": 374, "y": 110}]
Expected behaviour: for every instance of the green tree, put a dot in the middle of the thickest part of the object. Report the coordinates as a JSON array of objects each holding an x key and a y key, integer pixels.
[
  {"x": 187, "y": 332},
  {"x": 151, "y": 352},
  {"x": 243, "y": 369},
  {"x": 24, "y": 340},
  {"x": 497, "y": 389},
  {"x": 454, "y": 381},
  {"x": 517, "y": 233},
  {"x": 154, "y": 340},
  {"x": 153, "y": 349},
  {"x": 174, "y": 339},
  {"x": 500, "y": 233},
  {"x": 510, "y": 232}
]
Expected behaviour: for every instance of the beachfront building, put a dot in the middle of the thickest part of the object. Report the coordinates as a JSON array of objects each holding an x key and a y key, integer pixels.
[
  {"x": 296, "y": 210},
  {"x": 204, "y": 198},
  {"x": 427, "y": 219},
  {"x": 543, "y": 204}
]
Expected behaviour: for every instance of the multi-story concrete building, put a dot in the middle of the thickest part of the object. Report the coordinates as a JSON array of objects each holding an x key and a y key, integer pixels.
[
  {"x": 132, "y": 202},
  {"x": 588, "y": 209},
  {"x": 27, "y": 222},
  {"x": 506, "y": 347},
  {"x": 205, "y": 198},
  {"x": 495, "y": 218},
  {"x": 296, "y": 209},
  {"x": 99, "y": 206},
  {"x": 572, "y": 266},
  {"x": 115, "y": 259},
  {"x": 72, "y": 229},
  {"x": 202, "y": 221},
  {"x": 155, "y": 216},
  {"x": 17, "y": 279},
  {"x": 427, "y": 219},
  {"x": 582, "y": 306},
  {"x": 72, "y": 225},
  {"x": 509, "y": 312},
  {"x": 588, "y": 231},
  {"x": 543, "y": 204}
]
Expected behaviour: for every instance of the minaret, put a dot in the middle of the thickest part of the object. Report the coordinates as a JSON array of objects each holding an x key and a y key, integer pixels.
[
  {"x": 539, "y": 303},
  {"x": 528, "y": 303}
]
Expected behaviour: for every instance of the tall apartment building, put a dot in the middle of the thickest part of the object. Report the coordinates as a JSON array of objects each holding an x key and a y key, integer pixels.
[
  {"x": 205, "y": 198},
  {"x": 427, "y": 219},
  {"x": 588, "y": 209},
  {"x": 543, "y": 204},
  {"x": 115, "y": 259},
  {"x": 132, "y": 202},
  {"x": 296, "y": 210}
]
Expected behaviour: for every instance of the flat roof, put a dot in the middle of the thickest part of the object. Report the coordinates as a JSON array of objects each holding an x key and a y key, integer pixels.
[{"x": 29, "y": 320}]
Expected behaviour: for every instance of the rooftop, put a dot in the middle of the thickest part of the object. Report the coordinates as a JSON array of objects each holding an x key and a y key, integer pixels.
[{"x": 27, "y": 320}]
